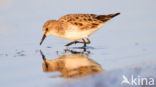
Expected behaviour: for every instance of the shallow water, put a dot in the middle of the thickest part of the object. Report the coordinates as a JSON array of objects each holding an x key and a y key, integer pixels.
[{"x": 126, "y": 45}]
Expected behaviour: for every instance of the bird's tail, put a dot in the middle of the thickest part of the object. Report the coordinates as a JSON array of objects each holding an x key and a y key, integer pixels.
[{"x": 105, "y": 18}]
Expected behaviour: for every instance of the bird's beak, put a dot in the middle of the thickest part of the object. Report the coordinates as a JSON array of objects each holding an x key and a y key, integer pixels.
[{"x": 44, "y": 36}]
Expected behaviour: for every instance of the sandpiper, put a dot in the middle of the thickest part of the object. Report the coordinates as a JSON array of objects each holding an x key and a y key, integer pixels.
[{"x": 75, "y": 27}]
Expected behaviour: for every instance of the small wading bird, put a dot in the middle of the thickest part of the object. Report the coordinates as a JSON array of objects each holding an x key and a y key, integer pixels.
[{"x": 75, "y": 27}]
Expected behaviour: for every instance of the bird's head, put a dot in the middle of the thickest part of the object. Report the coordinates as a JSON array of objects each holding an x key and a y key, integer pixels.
[{"x": 48, "y": 28}]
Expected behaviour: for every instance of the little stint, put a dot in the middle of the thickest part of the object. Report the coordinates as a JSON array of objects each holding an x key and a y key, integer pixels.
[{"x": 75, "y": 27}]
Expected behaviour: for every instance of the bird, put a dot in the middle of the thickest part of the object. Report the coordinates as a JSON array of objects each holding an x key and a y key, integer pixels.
[{"x": 75, "y": 27}]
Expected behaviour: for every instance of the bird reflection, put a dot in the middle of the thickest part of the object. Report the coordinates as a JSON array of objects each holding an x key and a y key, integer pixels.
[{"x": 76, "y": 64}]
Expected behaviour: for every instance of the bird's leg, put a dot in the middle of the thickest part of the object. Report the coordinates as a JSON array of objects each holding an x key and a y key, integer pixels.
[
  {"x": 84, "y": 42},
  {"x": 73, "y": 42},
  {"x": 88, "y": 42}
]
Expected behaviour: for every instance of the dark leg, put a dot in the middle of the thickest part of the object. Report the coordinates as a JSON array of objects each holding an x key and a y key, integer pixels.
[
  {"x": 84, "y": 42},
  {"x": 73, "y": 42},
  {"x": 88, "y": 42}
]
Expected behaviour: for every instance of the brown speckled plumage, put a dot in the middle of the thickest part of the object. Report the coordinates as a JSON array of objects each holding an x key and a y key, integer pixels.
[
  {"x": 75, "y": 26},
  {"x": 85, "y": 21}
]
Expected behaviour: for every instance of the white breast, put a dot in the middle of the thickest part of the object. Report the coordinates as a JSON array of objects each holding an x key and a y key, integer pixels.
[{"x": 74, "y": 33}]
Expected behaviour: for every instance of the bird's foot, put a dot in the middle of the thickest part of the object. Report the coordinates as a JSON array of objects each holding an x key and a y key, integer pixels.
[{"x": 73, "y": 42}]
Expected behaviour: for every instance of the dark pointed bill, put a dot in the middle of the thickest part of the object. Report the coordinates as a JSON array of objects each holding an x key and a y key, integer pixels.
[{"x": 44, "y": 36}]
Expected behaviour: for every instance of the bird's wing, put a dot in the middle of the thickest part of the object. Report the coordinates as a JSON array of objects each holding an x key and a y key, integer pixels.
[
  {"x": 83, "y": 21},
  {"x": 86, "y": 21}
]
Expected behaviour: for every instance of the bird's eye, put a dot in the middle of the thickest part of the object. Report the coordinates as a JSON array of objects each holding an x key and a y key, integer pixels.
[{"x": 46, "y": 29}]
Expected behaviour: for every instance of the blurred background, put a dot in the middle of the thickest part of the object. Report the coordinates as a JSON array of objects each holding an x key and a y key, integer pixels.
[{"x": 126, "y": 41}]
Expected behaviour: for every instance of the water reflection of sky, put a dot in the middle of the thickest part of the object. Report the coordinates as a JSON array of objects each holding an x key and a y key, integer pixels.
[{"x": 127, "y": 40}]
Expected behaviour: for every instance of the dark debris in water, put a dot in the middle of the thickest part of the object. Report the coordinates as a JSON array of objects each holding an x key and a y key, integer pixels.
[
  {"x": 20, "y": 53},
  {"x": 49, "y": 47}
]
